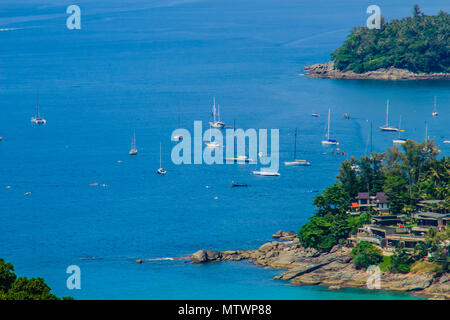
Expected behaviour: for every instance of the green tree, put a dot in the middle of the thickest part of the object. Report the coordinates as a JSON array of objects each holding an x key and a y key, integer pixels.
[{"x": 365, "y": 254}]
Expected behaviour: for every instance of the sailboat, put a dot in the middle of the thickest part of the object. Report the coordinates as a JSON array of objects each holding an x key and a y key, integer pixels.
[
  {"x": 399, "y": 140},
  {"x": 38, "y": 119},
  {"x": 216, "y": 123},
  {"x": 212, "y": 144},
  {"x": 133, "y": 151},
  {"x": 435, "y": 112},
  {"x": 387, "y": 127},
  {"x": 179, "y": 137},
  {"x": 329, "y": 141},
  {"x": 161, "y": 170},
  {"x": 296, "y": 162}
]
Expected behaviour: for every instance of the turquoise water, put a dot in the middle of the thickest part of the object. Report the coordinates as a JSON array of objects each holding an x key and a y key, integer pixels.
[{"x": 140, "y": 67}]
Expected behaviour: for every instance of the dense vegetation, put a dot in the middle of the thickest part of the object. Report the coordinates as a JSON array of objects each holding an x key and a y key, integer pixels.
[
  {"x": 419, "y": 43},
  {"x": 406, "y": 176},
  {"x": 365, "y": 254},
  {"x": 14, "y": 288}
]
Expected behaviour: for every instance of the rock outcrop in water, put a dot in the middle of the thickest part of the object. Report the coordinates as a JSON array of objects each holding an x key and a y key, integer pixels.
[
  {"x": 307, "y": 266},
  {"x": 328, "y": 71}
]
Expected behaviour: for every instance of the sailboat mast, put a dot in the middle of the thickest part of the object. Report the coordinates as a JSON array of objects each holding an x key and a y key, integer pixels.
[
  {"x": 426, "y": 131},
  {"x": 37, "y": 104},
  {"x": 328, "y": 130},
  {"x": 434, "y": 103},
  {"x": 214, "y": 109},
  {"x": 295, "y": 144},
  {"x": 160, "y": 159},
  {"x": 371, "y": 139},
  {"x": 387, "y": 113}
]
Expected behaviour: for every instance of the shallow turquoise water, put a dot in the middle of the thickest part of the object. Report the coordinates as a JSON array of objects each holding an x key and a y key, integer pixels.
[{"x": 140, "y": 67}]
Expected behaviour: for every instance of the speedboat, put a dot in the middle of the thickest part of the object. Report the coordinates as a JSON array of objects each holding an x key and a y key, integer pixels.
[
  {"x": 297, "y": 163},
  {"x": 241, "y": 159},
  {"x": 266, "y": 173}
]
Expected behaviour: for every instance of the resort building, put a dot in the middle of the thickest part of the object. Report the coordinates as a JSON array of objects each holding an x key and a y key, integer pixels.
[{"x": 364, "y": 201}]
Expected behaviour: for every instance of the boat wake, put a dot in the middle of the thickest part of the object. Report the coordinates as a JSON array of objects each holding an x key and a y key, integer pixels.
[{"x": 160, "y": 259}]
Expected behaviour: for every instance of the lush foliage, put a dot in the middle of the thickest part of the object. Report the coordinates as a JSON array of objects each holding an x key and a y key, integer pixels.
[
  {"x": 13, "y": 288},
  {"x": 406, "y": 176},
  {"x": 419, "y": 43},
  {"x": 365, "y": 254}
]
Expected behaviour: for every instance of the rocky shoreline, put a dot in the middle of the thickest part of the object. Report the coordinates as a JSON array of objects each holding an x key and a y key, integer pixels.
[
  {"x": 306, "y": 266},
  {"x": 328, "y": 71}
]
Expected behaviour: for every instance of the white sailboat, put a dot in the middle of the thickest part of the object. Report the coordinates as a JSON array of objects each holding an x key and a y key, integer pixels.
[
  {"x": 267, "y": 173},
  {"x": 296, "y": 162},
  {"x": 216, "y": 123},
  {"x": 133, "y": 150},
  {"x": 399, "y": 140},
  {"x": 329, "y": 141},
  {"x": 38, "y": 119},
  {"x": 435, "y": 112},
  {"x": 387, "y": 127},
  {"x": 161, "y": 170},
  {"x": 212, "y": 144}
]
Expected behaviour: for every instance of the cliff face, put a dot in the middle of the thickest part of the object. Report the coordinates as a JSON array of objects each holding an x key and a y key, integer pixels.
[
  {"x": 306, "y": 266},
  {"x": 328, "y": 71}
]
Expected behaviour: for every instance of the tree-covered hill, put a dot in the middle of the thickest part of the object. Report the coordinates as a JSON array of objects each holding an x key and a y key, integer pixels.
[{"x": 419, "y": 44}]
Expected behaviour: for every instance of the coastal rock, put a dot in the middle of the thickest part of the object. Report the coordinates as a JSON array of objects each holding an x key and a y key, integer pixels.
[
  {"x": 199, "y": 257},
  {"x": 334, "y": 269},
  {"x": 334, "y": 288},
  {"x": 265, "y": 247},
  {"x": 284, "y": 236},
  {"x": 328, "y": 71},
  {"x": 213, "y": 255}
]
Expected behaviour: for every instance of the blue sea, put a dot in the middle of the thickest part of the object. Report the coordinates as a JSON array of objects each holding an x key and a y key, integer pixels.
[{"x": 149, "y": 66}]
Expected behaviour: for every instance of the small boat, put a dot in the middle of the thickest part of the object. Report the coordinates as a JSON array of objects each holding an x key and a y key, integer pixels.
[
  {"x": 236, "y": 185},
  {"x": 212, "y": 144},
  {"x": 338, "y": 152},
  {"x": 160, "y": 171},
  {"x": 133, "y": 150},
  {"x": 329, "y": 141},
  {"x": 241, "y": 159},
  {"x": 446, "y": 141},
  {"x": 315, "y": 115},
  {"x": 346, "y": 116},
  {"x": 399, "y": 140},
  {"x": 216, "y": 123},
  {"x": 38, "y": 119},
  {"x": 387, "y": 127},
  {"x": 435, "y": 112},
  {"x": 177, "y": 138},
  {"x": 266, "y": 173},
  {"x": 1, "y": 138},
  {"x": 296, "y": 162}
]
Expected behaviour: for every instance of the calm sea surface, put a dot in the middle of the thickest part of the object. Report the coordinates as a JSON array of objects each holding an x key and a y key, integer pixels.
[{"x": 145, "y": 66}]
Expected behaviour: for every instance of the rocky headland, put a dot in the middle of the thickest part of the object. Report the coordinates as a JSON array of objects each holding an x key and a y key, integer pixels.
[
  {"x": 307, "y": 266},
  {"x": 328, "y": 71}
]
